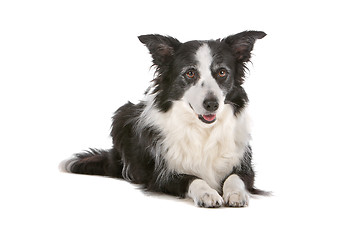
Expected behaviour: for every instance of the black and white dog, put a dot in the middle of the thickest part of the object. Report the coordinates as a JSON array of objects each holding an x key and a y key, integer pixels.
[{"x": 190, "y": 136}]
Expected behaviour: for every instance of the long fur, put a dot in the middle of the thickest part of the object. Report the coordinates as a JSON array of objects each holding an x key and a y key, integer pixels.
[{"x": 193, "y": 124}]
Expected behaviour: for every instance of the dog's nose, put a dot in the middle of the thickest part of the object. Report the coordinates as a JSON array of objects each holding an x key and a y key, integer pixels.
[{"x": 211, "y": 104}]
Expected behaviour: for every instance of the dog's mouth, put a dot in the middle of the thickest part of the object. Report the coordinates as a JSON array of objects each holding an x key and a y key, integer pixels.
[{"x": 207, "y": 118}]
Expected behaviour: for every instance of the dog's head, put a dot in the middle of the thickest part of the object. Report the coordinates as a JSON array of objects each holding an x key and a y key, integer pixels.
[{"x": 205, "y": 75}]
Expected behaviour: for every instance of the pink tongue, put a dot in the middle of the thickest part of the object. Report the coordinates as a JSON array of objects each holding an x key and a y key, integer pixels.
[{"x": 209, "y": 117}]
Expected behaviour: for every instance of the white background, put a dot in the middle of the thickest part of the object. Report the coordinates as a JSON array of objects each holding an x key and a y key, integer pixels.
[{"x": 66, "y": 66}]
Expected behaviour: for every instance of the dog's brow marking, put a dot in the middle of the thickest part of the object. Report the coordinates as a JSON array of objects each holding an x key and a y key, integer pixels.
[{"x": 204, "y": 58}]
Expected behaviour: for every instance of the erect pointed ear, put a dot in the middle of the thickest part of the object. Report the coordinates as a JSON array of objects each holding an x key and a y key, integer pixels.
[
  {"x": 162, "y": 48},
  {"x": 242, "y": 43}
]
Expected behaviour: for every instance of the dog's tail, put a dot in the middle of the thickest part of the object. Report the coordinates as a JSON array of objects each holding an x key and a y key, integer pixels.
[
  {"x": 94, "y": 162},
  {"x": 255, "y": 191}
]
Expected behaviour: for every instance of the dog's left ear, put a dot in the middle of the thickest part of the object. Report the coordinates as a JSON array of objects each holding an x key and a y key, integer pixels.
[
  {"x": 242, "y": 43},
  {"x": 162, "y": 48}
]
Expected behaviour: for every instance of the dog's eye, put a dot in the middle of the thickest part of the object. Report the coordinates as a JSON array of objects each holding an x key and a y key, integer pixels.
[
  {"x": 190, "y": 74},
  {"x": 222, "y": 73}
]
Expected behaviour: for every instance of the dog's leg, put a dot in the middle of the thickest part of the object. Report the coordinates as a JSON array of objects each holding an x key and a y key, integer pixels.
[
  {"x": 234, "y": 192},
  {"x": 183, "y": 185},
  {"x": 203, "y": 195}
]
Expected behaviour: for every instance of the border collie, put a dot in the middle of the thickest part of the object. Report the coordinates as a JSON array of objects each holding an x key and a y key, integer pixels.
[{"x": 190, "y": 135}]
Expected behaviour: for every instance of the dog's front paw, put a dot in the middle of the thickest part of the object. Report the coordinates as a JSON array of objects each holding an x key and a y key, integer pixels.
[
  {"x": 203, "y": 195},
  {"x": 236, "y": 199},
  {"x": 235, "y": 194},
  {"x": 209, "y": 200}
]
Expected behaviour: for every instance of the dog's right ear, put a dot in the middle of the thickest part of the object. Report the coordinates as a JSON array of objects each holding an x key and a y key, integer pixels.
[{"x": 162, "y": 48}]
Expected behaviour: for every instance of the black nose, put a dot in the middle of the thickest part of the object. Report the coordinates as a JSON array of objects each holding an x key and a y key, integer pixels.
[{"x": 211, "y": 104}]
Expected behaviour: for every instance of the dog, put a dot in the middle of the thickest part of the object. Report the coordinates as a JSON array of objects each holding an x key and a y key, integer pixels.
[{"x": 189, "y": 136}]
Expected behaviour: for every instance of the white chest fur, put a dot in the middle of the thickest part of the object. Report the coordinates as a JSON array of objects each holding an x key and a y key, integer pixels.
[{"x": 190, "y": 147}]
